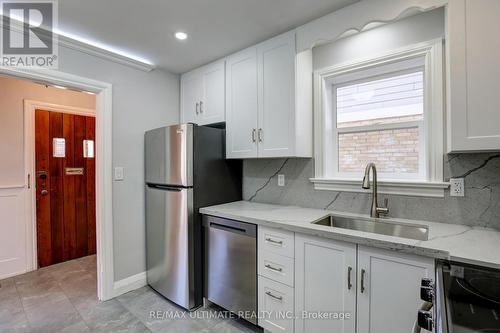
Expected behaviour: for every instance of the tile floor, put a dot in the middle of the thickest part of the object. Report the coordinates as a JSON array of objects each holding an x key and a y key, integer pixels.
[{"x": 62, "y": 298}]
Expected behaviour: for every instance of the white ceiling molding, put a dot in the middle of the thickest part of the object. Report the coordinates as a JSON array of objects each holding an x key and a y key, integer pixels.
[
  {"x": 102, "y": 53},
  {"x": 359, "y": 17},
  {"x": 74, "y": 44}
]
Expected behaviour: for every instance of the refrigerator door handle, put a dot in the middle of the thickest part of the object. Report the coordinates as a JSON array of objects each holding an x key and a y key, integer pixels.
[{"x": 166, "y": 187}]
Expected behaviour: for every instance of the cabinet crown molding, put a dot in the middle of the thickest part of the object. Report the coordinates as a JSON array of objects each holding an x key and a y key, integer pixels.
[{"x": 359, "y": 17}]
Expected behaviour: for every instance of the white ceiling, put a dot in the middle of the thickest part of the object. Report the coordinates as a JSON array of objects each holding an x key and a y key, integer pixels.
[{"x": 145, "y": 28}]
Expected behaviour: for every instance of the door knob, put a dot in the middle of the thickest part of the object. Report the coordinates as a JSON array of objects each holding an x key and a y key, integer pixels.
[{"x": 44, "y": 192}]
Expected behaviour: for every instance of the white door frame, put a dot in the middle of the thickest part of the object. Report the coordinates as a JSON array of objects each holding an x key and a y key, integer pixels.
[
  {"x": 104, "y": 199},
  {"x": 30, "y": 169}
]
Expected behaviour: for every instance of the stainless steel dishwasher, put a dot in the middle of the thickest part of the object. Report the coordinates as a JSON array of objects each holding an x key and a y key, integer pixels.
[{"x": 231, "y": 265}]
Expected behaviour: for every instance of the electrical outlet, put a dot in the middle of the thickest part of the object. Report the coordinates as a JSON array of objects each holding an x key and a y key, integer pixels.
[
  {"x": 281, "y": 180},
  {"x": 457, "y": 188}
]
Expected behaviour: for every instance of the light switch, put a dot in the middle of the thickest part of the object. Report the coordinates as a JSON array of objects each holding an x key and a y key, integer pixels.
[
  {"x": 119, "y": 173},
  {"x": 281, "y": 180}
]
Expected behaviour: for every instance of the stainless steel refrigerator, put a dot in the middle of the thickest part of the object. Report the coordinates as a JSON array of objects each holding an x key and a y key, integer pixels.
[{"x": 185, "y": 169}]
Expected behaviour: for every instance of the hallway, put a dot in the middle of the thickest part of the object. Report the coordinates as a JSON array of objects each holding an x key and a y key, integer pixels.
[{"x": 62, "y": 298}]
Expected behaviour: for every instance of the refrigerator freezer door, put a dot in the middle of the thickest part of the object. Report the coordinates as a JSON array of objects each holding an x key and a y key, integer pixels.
[
  {"x": 169, "y": 243},
  {"x": 169, "y": 155}
]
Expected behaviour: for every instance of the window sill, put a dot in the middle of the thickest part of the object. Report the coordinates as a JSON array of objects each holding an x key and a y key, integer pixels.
[{"x": 399, "y": 187}]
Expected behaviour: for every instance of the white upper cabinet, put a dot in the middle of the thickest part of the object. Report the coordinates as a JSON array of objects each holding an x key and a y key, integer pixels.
[
  {"x": 325, "y": 282},
  {"x": 203, "y": 95},
  {"x": 241, "y": 102},
  {"x": 473, "y": 53},
  {"x": 213, "y": 104},
  {"x": 191, "y": 95},
  {"x": 276, "y": 70},
  {"x": 389, "y": 283},
  {"x": 267, "y": 116}
]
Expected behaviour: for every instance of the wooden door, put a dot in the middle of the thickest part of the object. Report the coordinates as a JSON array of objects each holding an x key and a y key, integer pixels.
[
  {"x": 389, "y": 284},
  {"x": 65, "y": 200},
  {"x": 325, "y": 282},
  {"x": 241, "y": 104}
]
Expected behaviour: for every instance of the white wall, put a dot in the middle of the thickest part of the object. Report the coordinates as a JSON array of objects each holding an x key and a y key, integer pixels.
[
  {"x": 412, "y": 30},
  {"x": 12, "y": 94},
  {"x": 141, "y": 101}
]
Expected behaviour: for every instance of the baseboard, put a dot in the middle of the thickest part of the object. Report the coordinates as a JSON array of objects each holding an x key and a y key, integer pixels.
[
  {"x": 128, "y": 284},
  {"x": 9, "y": 275}
]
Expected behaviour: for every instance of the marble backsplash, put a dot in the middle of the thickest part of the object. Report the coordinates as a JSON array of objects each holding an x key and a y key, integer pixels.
[{"x": 479, "y": 207}]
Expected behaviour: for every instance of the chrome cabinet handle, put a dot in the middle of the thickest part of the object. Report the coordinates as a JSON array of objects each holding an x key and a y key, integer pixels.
[
  {"x": 363, "y": 280},
  {"x": 349, "y": 284},
  {"x": 270, "y": 240},
  {"x": 277, "y": 269},
  {"x": 201, "y": 107},
  {"x": 279, "y": 298},
  {"x": 253, "y": 135},
  {"x": 197, "y": 106},
  {"x": 260, "y": 135},
  {"x": 44, "y": 192}
]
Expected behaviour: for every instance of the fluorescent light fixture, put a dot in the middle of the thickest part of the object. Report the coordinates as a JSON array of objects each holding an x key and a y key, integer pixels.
[{"x": 181, "y": 35}]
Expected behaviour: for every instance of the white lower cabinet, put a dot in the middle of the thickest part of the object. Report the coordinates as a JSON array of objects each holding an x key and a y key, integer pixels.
[
  {"x": 275, "y": 306},
  {"x": 338, "y": 286},
  {"x": 389, "y": 295},
  {"x": 325, "y": 283}
]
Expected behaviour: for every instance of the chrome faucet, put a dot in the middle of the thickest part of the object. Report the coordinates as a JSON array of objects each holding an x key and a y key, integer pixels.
[{"x": 375, "y": 210}]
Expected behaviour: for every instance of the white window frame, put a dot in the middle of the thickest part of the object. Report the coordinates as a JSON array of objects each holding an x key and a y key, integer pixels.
[{"x": 430, "y": 180}]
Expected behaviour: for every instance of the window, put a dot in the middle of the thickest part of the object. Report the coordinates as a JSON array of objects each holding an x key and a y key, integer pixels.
[
  {"x": 379, "y": 119},
  {"x": 388, "y": 111}
]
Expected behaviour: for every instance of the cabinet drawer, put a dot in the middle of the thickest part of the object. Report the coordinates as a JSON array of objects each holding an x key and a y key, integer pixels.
[
  {"x": 276, "y": 300},
  {"x": 276, "y": 267},
  {"x": 276, "y": 241}
]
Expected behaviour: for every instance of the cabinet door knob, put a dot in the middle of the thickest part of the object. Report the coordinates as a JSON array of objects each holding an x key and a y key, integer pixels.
[
  {"x": 363, "y": 280},
  {"x": 270, "y": 240},
  {"x": 349, "y": 284},
  {"x": 197, "y": 108},
  {"x": 279, "y": 298},
  {"x": 276, "y": 269}
]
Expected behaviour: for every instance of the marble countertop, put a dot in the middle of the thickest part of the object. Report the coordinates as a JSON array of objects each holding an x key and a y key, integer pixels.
[{"x": 474, "y": 245}]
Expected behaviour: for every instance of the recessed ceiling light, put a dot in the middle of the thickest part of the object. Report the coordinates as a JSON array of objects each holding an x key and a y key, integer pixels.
[{"x": 181, "y": 35}]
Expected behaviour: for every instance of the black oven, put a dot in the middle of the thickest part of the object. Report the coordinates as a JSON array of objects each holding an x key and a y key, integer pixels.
[{"x": 462, "y": 299}]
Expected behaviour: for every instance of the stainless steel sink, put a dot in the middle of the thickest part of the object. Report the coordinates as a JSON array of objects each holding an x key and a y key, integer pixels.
[{"x": 377, "y": 226}]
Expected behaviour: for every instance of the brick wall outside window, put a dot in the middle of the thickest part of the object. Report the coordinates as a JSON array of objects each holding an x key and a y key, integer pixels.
[{"x": 393, "y": 151}]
